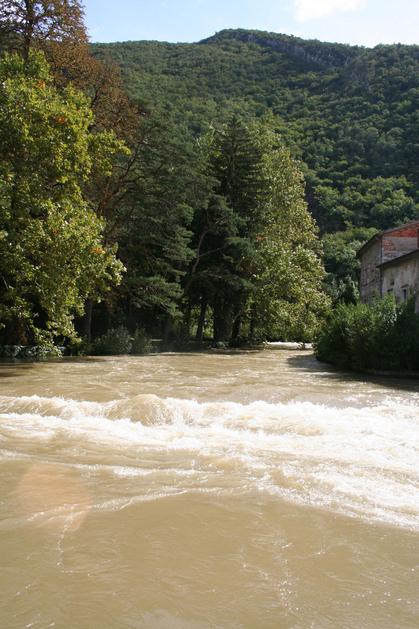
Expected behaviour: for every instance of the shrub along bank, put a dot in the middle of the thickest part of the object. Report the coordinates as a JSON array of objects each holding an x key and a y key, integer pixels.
[
  {"x": 381, "y": 336},
  {"x": 117, "y": 341}
]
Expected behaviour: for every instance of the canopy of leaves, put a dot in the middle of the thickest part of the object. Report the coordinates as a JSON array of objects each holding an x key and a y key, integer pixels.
[
  {"x": 257, "y": 260},
  {"x": 28, "y": 23},
  {"x": 349, "y": 113},
  {"x": 289, "y": 300},
  {"x": 52, "y": 256}
]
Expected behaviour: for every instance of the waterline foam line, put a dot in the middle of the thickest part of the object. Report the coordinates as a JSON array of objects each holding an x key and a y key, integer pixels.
[{"x": 359, "y": 462}]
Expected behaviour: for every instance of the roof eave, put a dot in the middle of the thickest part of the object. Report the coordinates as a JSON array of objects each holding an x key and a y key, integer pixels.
[{"x": 395, "y": 261}]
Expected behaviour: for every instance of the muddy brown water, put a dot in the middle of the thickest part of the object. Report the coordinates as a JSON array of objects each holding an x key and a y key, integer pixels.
[{"x": 243, "y": 490}]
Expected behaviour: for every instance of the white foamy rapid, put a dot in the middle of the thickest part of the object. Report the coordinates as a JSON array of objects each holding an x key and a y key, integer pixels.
[{"x": 361, "y": 462}]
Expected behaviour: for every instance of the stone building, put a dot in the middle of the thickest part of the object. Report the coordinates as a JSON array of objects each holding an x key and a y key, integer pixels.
[{"x": 390, "y": 264}]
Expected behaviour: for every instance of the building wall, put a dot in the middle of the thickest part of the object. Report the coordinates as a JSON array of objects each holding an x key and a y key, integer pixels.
[
  {"x": 400, "y": 241},
  {"x": 370, "y": 284},
  {"x": 402, "y": 280},
  {"x": 389, "y": 246}
]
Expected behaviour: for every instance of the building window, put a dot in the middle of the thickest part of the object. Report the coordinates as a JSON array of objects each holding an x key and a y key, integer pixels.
[{"x": 405, "y": 293}]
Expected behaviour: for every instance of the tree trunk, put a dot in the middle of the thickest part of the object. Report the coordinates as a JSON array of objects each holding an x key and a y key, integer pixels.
[
  {"x": 237, "y": 320},
  {"x": 87, "y": 321},
  {"x": 252, "y": 323},
  {"x": 15, "y": 333},
  {"x": 29, "y": 17},
  {"x": 201, "y": 321},
  {"x": 187, "y": 320},
  {"x": 168, "y": 330},
  {"x": 223, "y": 321},
  {"x": 236, "y": 328}
]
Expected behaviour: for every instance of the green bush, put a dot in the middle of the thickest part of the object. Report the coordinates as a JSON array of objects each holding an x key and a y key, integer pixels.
[
  {"x": 30, "y": 352},
  {"x": 115, "y": 342},
  {"x": 382, "y": 335}
]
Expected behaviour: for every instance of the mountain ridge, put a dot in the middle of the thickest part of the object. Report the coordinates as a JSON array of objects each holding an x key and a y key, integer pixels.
[
  {"x": 349, "y": 113},
  {"x": 291, "y": 44}
]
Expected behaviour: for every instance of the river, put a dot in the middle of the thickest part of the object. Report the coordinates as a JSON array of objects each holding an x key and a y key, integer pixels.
[{"x": 194, "y": 491}]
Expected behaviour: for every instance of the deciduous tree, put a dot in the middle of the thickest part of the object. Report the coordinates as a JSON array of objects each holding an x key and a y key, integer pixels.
[
  {"x": 52, "y": 254},
  {"x": 289, "y": 300},
  {"x": 28, "y": 23}
]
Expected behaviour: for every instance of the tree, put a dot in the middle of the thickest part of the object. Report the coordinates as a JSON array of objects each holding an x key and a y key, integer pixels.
[
  {"x": 25, "y": 23},
  {"x": 52, "y": 254},
  {"x": 58, "y": 30},
  {"x": 257, "y": 259},
  {"x": 226, "y": 222},
  {"x": 162, "y": 190},
  {"x": 342, "y": 265},
  {"x": 288, "y": 301},
  {"x": 380, "y": 202}
]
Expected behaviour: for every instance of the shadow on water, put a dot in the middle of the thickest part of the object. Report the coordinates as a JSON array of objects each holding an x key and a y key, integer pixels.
[
  {"x": 19, "y": 367},
  {"x": 10, "y": 374},
  {"x": 11, "y": 369},
  {"x": 310, "y": 364}
]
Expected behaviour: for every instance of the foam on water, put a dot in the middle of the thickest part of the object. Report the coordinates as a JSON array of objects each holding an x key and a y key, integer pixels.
[{"x": 361, "y": 462}]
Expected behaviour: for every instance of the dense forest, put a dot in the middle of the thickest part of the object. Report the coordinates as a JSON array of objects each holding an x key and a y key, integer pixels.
[
  {"x": 350, "y": 114},
  {"x": 191, "y": 191}
]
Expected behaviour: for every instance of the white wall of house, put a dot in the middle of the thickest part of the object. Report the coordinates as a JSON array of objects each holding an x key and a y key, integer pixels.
[
  {"x": 388, "y": 247},
  {"x": 402, "y": 280},
  {"x": 396, "y": 245}
]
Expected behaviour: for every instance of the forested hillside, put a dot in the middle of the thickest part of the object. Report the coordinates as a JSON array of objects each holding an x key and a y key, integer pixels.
[
  {"x": 121, "y": 217},
  {"x": 174, "y": 186},
  {"x": 350, "y": 113}
]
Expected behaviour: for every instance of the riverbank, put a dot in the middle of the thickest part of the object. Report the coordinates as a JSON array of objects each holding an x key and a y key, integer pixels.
[
  {"x": 30, "y": 352},
  {"x": 287, "y": 345},
  {"x": 152, "y": 346},
  {"x": 378, "y": 373}
]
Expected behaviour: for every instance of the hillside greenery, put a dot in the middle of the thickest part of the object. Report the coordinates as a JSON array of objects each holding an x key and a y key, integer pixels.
[
  {"x": 52, "y": 253},
  {"x": 348, "y": 113},
  {"x": 181, "y": 190},
  {"x": 122, "y": 217}
]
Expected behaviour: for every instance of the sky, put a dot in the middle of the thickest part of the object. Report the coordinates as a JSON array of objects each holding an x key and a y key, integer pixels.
[{"x": 363, "y": 22}]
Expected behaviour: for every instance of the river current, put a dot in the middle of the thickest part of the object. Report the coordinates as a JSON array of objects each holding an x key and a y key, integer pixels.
[{"x": 197, "y": 491}]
